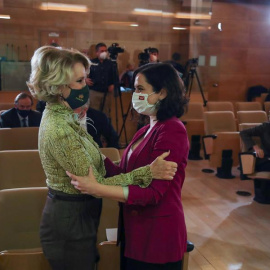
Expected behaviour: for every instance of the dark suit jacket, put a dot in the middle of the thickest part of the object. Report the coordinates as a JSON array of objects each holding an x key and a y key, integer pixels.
[
  {"x": 10, "y": 119},
  {"x": 102, "y": 127},
  {"x": 262, "y": 131},
  {"x": 154, "y": 221}
]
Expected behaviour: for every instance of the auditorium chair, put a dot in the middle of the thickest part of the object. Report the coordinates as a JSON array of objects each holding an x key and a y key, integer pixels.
[
  {"x": 108, "y": 251},
  {"x": 251, "y": 117},
  {"x": 21, "y": 168},
  {"x": 221, "y": 142},
  {"x": 248, "y": 106},
  {"x": 20, "y": 214},
  {"x": 247, "y": 170},
  {"x": 194, "y": 123},
  {"x": 19, "y": 138},
  {"x": 6, "y": 106},
  {"x": 267, "y": 108},
  {"x": 220, "y": 106}
]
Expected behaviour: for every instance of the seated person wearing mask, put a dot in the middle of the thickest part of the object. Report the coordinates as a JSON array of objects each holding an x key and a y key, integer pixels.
[
  {"x": 22, "y": 114},
  {"x": 96, "y": 123}
]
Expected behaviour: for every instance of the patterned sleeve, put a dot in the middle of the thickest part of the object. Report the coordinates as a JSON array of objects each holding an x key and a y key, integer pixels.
[
  {"x": 141, "y": 177},
  {"x": 71, "y": 156}
]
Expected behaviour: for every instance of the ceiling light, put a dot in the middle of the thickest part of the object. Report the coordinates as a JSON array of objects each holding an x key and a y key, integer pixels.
[
  {"x": 182, "y": 15},
  {"x": 179, "y": 15},
  {"x": 63, "y": 7},
  {"x": 179, "y": 28},
  {"x": 152, "y": 12},
  {"x": 7, "y": 17},
  {"x": 121, "y": 23}
]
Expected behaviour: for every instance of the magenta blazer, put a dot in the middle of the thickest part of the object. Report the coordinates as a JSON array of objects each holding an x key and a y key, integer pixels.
[{"x": 154, "y": 221}]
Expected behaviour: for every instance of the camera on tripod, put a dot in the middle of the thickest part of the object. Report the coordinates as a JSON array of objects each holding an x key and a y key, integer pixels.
[
  {"x": 193, "y": 62},
  {"x": 114, "y": 49},
  {"x": 144, "y": 56}
]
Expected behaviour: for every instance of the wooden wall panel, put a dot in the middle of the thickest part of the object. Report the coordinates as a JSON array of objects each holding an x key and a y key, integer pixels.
[{"x": 241, "y": 49}]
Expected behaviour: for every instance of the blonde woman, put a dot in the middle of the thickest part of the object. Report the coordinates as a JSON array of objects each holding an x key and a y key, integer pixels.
[{"x": 70, "y": 219}]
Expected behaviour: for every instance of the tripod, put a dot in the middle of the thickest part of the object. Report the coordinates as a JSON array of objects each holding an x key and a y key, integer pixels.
[
  {"x": 189, "y": 83},
  {"x": 117, "y": 93}
]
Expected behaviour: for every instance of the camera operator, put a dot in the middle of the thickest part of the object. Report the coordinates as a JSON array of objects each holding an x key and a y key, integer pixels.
[
  {"x": 101, "y": 80},
  {"x": 153, "y": 53},
  {"x": 150, "y": 55}
]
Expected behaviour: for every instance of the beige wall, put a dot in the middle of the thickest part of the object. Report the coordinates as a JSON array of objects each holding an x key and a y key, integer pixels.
[{"x": 242, "y": 47}]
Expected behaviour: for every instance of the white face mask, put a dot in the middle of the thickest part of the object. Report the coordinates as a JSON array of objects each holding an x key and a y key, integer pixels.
[
  {"x": 103, "y": 55},
  {"x": 81, "y": 120},
  {"x": 141, "y": 105}
]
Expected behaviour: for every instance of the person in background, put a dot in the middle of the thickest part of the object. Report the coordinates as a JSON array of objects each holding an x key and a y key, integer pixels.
[
  {"x": 262, "y": 187},
  {"x": 70, "y": 219},
  {"x": 175, "y": 62},
  {"x": 97, "y": 125},
  {"x": 153, "y": 55},
  {"x": 100, "y": 128},
  {"x": 126, "y": 77},
  {"x": 262, "y": 151},
  {"x": 22, "y": 114},
  {"x": 154, "y": 223},
  {"x": 101, "y": 81}
]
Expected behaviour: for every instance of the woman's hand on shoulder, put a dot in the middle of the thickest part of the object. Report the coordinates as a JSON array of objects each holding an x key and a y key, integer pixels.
[{"x": 162, "y": 169}]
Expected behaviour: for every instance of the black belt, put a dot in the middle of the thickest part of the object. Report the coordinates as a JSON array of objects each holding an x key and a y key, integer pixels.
[{"x": 58, "y": 195}]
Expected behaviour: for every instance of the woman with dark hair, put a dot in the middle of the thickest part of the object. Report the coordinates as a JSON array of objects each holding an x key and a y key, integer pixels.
[
  {"x": 154, "y": 224},
  {"x": 69, "y": 223}
]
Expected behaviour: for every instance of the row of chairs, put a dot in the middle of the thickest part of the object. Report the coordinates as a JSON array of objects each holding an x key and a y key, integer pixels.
[
  {"x": 224, "y": 148},
  {"x": 199, "y": 121},
  {"x": 24, "y": 192}
]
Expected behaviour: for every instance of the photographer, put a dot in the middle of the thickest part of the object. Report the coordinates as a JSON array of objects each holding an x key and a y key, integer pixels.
[
  {"x": 101, "y": 81},
  {"x": 150, "y": 55},
  {"x": 154, "y": 53}
]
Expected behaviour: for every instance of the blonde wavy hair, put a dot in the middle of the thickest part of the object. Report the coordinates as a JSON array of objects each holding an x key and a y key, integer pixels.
[{"x": 51, "y": 69}]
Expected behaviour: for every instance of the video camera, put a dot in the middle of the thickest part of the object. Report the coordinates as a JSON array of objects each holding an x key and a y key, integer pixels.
[
  {"x": 190, "y": 68},
  {"x": 114, "y": 49},
  {"x": 193, "y": 62},
  {"x": 144, "y": 56}
]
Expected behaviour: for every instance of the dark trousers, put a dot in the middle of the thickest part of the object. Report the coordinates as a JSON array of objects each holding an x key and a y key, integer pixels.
[
  {"x": 137, "y": 265},
  {"x": 68, "y": 233}
]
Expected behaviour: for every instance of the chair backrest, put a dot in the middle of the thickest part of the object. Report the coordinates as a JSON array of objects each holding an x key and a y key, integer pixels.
[
  {"x": 21, "y": 168},
  {"x": 267, "y": 107},
  {"x": 248, "y": 106},
  {"x": 216, "y": 121},
  {"x": 220, "y": 106},
  {"x": 111, "y": 153},
  {"x": 108, "y": 218},
  {"x": 6, "y": 106},
  {"x": 20, "y": 215},
  {"x": 251, "y": 117},
  {"x": 19, "y": 138},
  {"x": 195, "y": 111},
  {"x": 110, "y": 208}
]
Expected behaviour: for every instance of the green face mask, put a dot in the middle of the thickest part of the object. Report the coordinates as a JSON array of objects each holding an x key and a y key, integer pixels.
[{"x": 77, "y": 98}]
